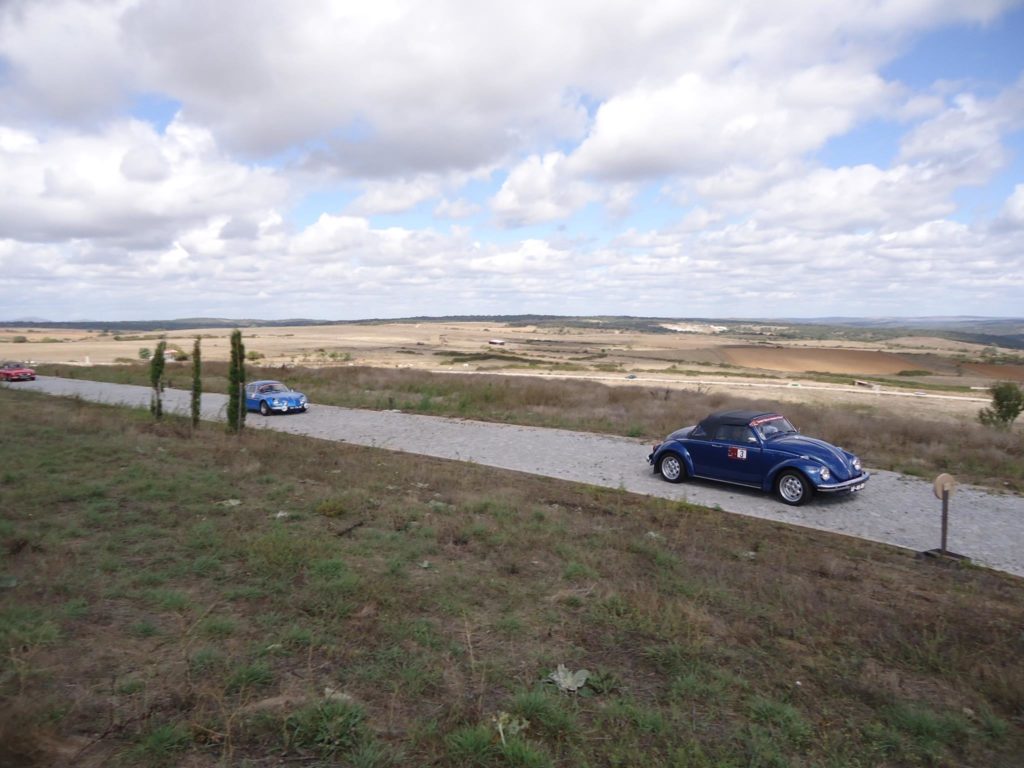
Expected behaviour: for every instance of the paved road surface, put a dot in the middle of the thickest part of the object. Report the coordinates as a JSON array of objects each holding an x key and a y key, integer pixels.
[{"x": 894, "y": 509}]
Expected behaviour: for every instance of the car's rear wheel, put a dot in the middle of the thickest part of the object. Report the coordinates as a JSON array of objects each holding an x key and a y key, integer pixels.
[
  {"x": 793, "y": 488},
  {"x": 264, "y": 408},
  {"x": 672, "y": 468}
]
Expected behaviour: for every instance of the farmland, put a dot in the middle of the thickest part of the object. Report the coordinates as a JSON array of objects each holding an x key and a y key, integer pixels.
[{"x": 816, "y": 365}]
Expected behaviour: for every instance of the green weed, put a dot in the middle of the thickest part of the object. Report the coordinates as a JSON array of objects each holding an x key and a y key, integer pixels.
[
  {"x": 161, "y": 744},
  {"x": 472, "y": 746},
  {"x": 545, "y": 712},
  {"x": 331, "y": 728}
]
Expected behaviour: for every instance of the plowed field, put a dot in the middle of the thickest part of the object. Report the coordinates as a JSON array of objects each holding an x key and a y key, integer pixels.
[{"x": 798, "y": 360}]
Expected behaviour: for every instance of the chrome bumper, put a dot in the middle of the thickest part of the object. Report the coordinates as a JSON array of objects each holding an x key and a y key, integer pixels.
[{"x": 849, "y": 486}]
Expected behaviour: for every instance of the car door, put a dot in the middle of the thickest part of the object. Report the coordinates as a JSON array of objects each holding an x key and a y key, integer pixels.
[
  {"x": 739, "y": 453},
  {"x": 701, "y": 451},
  {"x": 732, "y": 453},
  {"x": 251, "y": 401}
]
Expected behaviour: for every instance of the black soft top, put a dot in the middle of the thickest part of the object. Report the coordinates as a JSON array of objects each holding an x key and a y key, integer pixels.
[{"x": 738, "y": 418}]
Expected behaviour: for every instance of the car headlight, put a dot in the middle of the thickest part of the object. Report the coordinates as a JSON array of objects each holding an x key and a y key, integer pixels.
[
  {"x": 825, "y": 474},
  {"x": 856, "y": 463}
]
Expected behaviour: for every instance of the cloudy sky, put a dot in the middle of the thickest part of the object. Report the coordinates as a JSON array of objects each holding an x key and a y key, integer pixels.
[{"x": 340, "y": 160}]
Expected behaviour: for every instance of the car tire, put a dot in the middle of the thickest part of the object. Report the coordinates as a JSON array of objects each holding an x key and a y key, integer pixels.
[
  {"x": 264, "y": 408},
  {"x": 792, "y": 488},
  {"x": 672, "y": 468}
]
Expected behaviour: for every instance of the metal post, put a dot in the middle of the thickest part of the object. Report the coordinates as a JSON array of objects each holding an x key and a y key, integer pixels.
[{"x": 945, "y": 517}]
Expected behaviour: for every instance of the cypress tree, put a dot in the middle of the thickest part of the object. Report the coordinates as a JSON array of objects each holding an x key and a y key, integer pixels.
[
  {"x": 197, "y": 383},
  {"x": 236, "y": 383},
  {"x": 156, "y": 375}
]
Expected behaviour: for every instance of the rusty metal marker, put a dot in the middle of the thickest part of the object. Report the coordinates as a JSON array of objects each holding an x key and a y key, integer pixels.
[{"x": 943, "y": 487}]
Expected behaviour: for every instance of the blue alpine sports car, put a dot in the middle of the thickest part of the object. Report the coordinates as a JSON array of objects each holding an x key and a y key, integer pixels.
[
  {"x": 273, "y": 397},
  {"x": 759, "y": 450}
]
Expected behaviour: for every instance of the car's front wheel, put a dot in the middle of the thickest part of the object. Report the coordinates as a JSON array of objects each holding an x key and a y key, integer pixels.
[
  {"x": 793, "y": 488},
  {"x": 264, "y": 408},
  {"x": 672, "y": 468}
]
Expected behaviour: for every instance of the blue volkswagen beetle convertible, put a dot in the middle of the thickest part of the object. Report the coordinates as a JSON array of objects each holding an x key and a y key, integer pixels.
[
  {"x": 759, "y": 450},
  {"x": 269, "y": 397}
]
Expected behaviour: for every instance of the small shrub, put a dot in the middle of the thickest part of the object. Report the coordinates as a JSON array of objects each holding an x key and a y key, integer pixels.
[
  {"x": 256, "y": 675},
  {"x": 783, "y": 717},
  {"x": 206, "y": 660},
  {"x": 331, "y": 728},
  {"x": 1007, "y": 404},
  {"x": 159, "y": 745},
  {"x": 168, "y": 599},
  {"x": 522, "y": 754},
  {"x": 332, "y": 507},
  {"x": 143, "y": 628},
  {"x": 218, "y": 626},
  {"x": 543, "y": 712},
  {"x": 471, "y": 746},
  {"x": 575, "y": 571}
]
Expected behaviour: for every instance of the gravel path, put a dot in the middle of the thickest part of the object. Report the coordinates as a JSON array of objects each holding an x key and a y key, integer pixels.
[{"x": 894, "y": 509}]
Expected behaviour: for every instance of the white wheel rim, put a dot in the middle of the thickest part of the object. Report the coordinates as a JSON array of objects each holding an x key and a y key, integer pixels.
[
  {"x": 791, "y": 488},
  {"x": 671, "y": 468}
]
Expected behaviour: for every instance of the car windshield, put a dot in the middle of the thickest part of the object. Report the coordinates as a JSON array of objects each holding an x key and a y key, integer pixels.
[
  {"x": 773, "y": 427},
  {"x": 275, "y": 387}
]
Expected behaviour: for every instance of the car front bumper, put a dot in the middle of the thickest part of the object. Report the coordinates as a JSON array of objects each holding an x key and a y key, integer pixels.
[
  {"x": 286, "y": 407},
  {"x": 849, "y": 486}
]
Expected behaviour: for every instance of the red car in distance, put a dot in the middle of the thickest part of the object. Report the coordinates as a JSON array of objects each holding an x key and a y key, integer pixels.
[{"x": 16, "y": 372}]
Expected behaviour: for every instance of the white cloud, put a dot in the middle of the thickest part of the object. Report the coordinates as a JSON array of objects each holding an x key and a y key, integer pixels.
[
  {"x": 530, "y": 259},
  {"x": 459, "y": 208},
  {"x": 1012, "y": 214},
  {"x": 836, "y": 200},
  {"x": 965, "y": 138},
  {"x": 541, "y": 189},
  {"x": 126, "y": 183},
  {"x": 697, "y": 124},
  {"x": 67, "y": 56},
  {"x": 396, "y": 196},
  {"x": 400, "y": 87}
]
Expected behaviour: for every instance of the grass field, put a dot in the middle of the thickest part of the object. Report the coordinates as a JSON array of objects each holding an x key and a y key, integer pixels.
[
  {"x": 179, "y": 599},
  {"x": 883, "y": 438}
]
